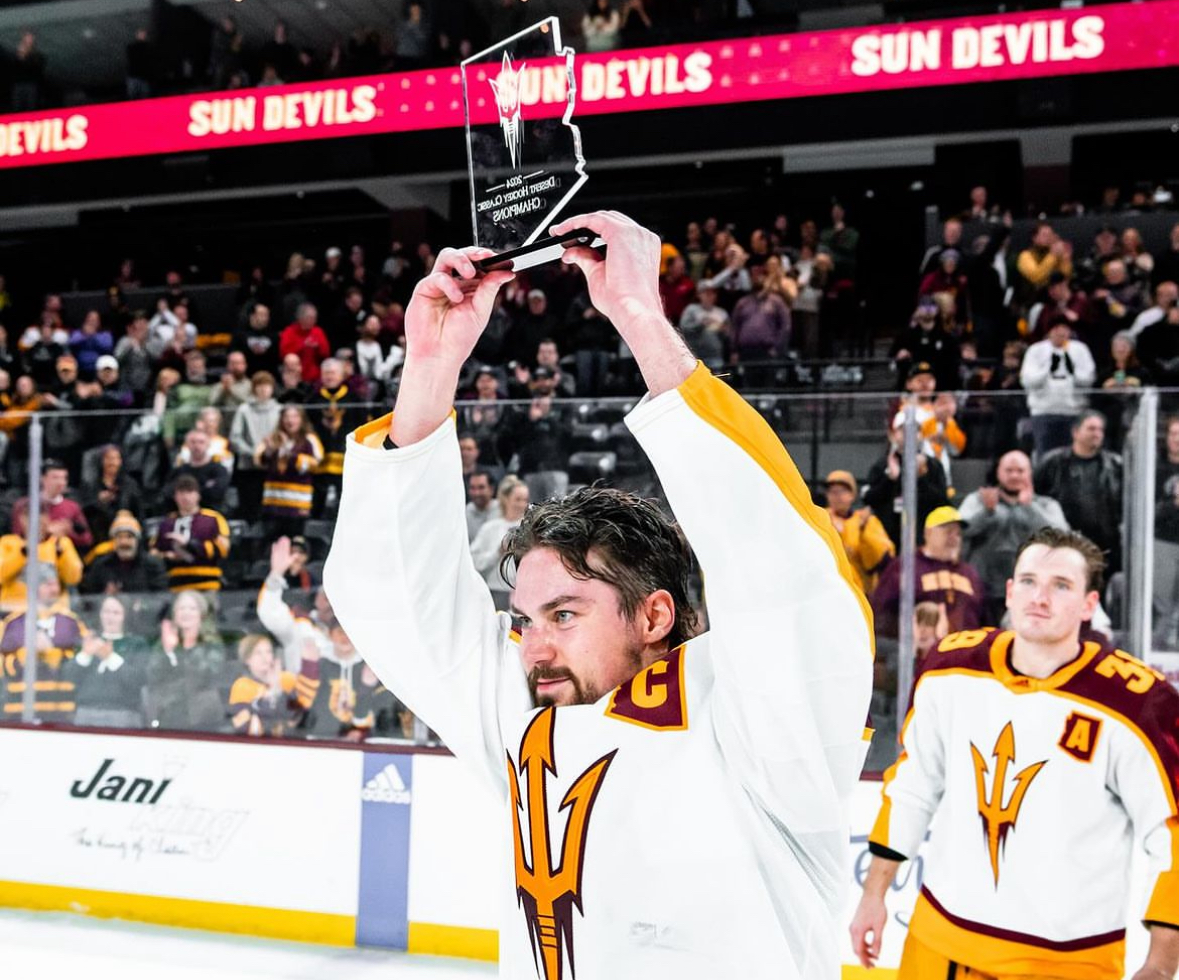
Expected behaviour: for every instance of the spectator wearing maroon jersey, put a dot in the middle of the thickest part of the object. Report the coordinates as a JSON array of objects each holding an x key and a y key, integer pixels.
[
  {"x": 676, "y": 289},
  {"x": 1059, "y": 303},
  {"x": 59, "y": 513},
  {"x": 192, "y": 540},
  {"x": 941, "y": 578},
  {"x": 949, "y": 279}
]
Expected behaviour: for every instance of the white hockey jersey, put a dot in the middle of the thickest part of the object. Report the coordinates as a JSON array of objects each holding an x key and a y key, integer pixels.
[
  {"x": 690, "y": 824},
  {"x": 1041, "y": 788}
]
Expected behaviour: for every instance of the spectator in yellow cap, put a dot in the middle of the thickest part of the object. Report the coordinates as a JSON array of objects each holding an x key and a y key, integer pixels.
[
  {"x": 864, "y": 539},
  {"x": 941, "y": 578},
  {"x": 122, "y": 564}
]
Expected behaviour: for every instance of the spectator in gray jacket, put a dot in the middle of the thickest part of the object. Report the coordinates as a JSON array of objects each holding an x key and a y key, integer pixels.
[
  {"x": 135, "y": 367},
  {"x": 999, "y": 519},
  {"x": 252, "y": 423},
  {"x": 705, "y": 326}
]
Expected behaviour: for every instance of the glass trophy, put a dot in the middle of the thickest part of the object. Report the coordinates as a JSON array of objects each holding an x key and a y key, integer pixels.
[{"x": 523, "y": 150}]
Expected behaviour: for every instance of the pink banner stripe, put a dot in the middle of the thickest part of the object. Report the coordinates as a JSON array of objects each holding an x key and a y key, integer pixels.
[{"x": 1001, "y": 47}]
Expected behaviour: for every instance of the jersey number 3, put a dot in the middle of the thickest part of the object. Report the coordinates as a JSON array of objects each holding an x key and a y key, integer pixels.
[{"x": 1138, "y": 677}]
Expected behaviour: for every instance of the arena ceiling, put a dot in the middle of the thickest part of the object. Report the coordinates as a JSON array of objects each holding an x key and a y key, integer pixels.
[{"x": 84, "y": 40}]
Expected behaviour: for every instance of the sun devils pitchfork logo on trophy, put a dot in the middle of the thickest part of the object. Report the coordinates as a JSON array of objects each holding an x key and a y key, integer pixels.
[
  {"x": 524, "y": 151},
  {"x": 507, "y": 98}
]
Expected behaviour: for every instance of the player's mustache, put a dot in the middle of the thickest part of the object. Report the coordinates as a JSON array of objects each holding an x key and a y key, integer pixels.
[{"x": 549, "y": 674}]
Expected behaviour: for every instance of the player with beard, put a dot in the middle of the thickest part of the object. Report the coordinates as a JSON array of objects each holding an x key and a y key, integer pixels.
[{"x": 677, "y": 804}]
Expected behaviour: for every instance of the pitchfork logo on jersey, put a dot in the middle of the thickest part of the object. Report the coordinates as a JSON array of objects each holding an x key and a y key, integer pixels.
[
  {"x": 998, "y": 818},
  {"x": 546, "y": 893},
  {"x": 506, "y": 86}
]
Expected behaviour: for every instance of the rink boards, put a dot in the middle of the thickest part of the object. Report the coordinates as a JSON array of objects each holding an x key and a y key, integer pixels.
[{"x": 343, "y": 846}]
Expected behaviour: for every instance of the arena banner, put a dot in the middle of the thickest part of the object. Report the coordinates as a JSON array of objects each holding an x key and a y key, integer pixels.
[
  {"x": 320, "y": 845},
  {"x": 226, "y": 835},
  {"x": 1000, "y": 47}
]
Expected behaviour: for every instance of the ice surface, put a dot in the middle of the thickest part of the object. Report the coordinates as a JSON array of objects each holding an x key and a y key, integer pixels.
[{"x": 61, "y": 946}]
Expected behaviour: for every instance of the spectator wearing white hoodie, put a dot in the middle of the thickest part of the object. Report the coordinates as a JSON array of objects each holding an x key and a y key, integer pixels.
[
  {"x": 1055, "y": 372},
  {"x": 292, "y": 630},
  {"x": 371, "y": 360},
  {"x": 487, "y": 545}
]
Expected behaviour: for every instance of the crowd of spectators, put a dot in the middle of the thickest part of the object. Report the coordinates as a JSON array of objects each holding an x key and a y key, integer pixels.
[
  {"x": 193, "y": 466},
  {"x": 1028, "y": 361},
  {"x": 191, "y": 470}
]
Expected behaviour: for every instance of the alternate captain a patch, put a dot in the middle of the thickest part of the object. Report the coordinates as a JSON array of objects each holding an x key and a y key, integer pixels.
[
  {"x": 654, "y": 698},
  {"x": 1080, "y": 736}
]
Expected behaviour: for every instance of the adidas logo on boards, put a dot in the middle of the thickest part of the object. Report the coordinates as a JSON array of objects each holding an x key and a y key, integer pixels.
[{"x": 387, "y": 786}]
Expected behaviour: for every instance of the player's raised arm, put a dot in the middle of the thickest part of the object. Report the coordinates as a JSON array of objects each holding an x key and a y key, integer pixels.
[
  {"x": 444, "y": 320},
  {"x": 625, "y": 289},
  {"x": 400, "y": 576},
  {"x": 793, "y": 679}
]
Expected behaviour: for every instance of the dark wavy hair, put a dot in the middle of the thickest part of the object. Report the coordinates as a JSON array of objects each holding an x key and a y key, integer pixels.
[{"x": 636, "y": 549}]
